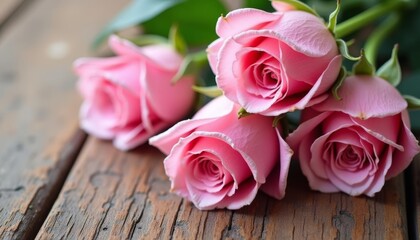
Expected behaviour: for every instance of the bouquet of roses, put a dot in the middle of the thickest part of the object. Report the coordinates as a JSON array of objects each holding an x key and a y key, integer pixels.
[{"x": 354, "y": 129}]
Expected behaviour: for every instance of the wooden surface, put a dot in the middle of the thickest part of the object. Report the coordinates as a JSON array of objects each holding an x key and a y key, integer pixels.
[
  {"x": 38, "y": 105},
  {"x": 110, "y": 194},
  {"x": 57, "y": 183}
]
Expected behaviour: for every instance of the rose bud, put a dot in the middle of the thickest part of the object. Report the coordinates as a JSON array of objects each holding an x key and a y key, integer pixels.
[
  {"x": 354, "y": 144},
  {"x": 129, "y": 98},
  {"x": 273, "y": 63},
  {"x": 216, "y": 160}
]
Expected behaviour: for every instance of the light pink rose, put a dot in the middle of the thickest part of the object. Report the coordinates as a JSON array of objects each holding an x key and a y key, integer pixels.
[
  {"x": 355, "y": 144},
  {"x": 130, "y": 97},
  {"x": 218, "y": 161},
  {"x": 273, "y": 63}
]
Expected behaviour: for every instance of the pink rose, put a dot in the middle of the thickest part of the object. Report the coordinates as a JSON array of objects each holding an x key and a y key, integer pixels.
[
  {"x": 355, "y": 144},
  {"x": 273, "y": 63},
  {"x": 130, "y": 97},
  {"x": 218, "y": 161}
]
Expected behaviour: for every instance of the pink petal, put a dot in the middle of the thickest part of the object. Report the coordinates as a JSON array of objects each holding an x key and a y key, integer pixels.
[
  {"x": 204, "y": 200},
  {"x": 380, "y": 176},
  {"x": 90, "y": 125},
  {"x": 365, "y": 97},
  {"x": 231, "y": 160},
  {"x": 276, "y": 183},
  {"x": 167, "y": 100},
  {"x": 130, "y": 138},
  {"x": 325, "y": 81},
  {"x": 213, "y": 52},
  {"x": 401, "y": 159},
  {"x": 304, "y": 33},
  {"x": 217, "y": 108},
  {"x": 243, "y": 19},
  {"x": 245, "y": 194},
  {"x": 121, "y": 71},
  {"x": 161, "y": 55}
]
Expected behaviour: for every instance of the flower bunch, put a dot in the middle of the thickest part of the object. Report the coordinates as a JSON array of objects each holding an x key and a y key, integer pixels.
[{"x": 354, "y": 132}]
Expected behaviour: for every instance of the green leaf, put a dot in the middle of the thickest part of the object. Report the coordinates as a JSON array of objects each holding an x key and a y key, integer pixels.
[
  {"x": 391, "y": 70},
  {"x": 243, "y": 113},
  {"x": 177, "y": 41},
  {"x": 333, "y": 17},
  {"x": 212, "y": 91},
  {"x": 344, "y": 50},
  {"x": 196, "y": 20},
  {"x": 191, "y": 65},
  {"x": 298, "y": 5},
  {"x": 144, "y": 40},
  {"x": 137, "y": 12},
  {"x": 363, "y": 66},
  {"x": 413, "y": 102},
  {"x": 341, "y": 76}
]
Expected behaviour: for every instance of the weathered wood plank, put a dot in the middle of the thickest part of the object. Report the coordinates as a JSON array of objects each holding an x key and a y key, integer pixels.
[
  {"x": 7, "y": 8},
  {"x": 414, "y": 187},
  {"x": 111, "y": 194},
  {"x": 38, "y": 106}
]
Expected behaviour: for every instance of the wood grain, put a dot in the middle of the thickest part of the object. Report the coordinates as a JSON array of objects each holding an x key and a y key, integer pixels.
[
  {"x": 39, "y": 106},
  {"x": 115, "y": 195},
  {"x": 7, "y": 9},
  {"x": 414, "y": 188}
]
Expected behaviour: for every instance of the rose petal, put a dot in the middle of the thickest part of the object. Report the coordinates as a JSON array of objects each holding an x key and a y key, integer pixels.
[
  {"x": 245, "y": 194},
  {"x": 173, "y": 99},
  {"x": 231, "y": 160},
  {"x": 304, "y": 32},
  {"x": 365, "y": 97},
  {"x": 212, "y": 53},
  {"x": 161, "y": 55},
  {"x": 276, "y": 183},
  {"x": 132, "y": 137},
  {"x": 241, "y": 20},
  {"x": 401, "y": 159},
  {"x": 208, "y": 114}
]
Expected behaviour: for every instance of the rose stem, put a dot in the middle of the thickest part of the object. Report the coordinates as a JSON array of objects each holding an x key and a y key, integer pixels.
[
  {"x": 349, "y": 26},
  {"x": 379, "y": 35}
]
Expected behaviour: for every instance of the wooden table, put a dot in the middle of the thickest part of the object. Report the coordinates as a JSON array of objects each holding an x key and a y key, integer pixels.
[{"x": 58, "y": 183}]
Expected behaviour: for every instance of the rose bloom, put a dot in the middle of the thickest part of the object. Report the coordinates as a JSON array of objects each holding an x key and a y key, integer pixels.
[
  {"x": 355, "y": 144},
  {"x": 273, "y": 63},
  {"x": 218, "y": 161},
  {"x": 130, "y": 97}
]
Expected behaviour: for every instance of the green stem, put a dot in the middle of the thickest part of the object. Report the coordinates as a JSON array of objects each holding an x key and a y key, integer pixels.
[
  {"x": 349, "y": 26},
  {"x": 378, "y": 36}
]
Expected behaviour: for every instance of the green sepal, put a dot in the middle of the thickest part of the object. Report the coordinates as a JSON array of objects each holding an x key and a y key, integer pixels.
[
  {"x": 191, "y": 65},
  {"x": 333, "y": 18},
  {"x": 298, "y": 5},
  {"x": 391, "y": 70},
  {"x": 177, "y": 40},
  {"x": 344, "y": 50},
  {"x": 340, "y": 79},
  {"x": 144, "y": 40},
  {"x": 243, "y": 113},
  {"x": 212, "y": 91},
  {"x": 363, "y": 66},
  {"x": 413, "y": 103},
  {"x": 277, "y": 120}
]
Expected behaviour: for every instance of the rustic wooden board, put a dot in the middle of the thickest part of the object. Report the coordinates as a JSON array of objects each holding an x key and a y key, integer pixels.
[
  {"x": 7, "y": 8},
  {"x": 111, "y": 194},
  {"x": 414, "y": 187},
  {"x": 39, "y": 105}
]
